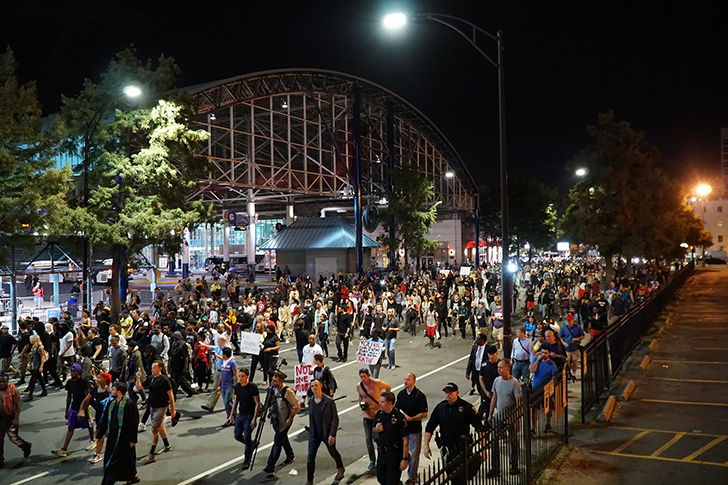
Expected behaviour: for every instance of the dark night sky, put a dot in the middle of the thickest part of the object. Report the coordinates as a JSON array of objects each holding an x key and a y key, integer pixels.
[{"x": 659, "y": 65}]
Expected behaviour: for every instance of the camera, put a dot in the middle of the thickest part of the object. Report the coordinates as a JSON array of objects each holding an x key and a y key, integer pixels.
[{"x": 363, "y": 405}]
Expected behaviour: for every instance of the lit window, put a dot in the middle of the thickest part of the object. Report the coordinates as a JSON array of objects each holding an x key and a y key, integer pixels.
[{"x": 720, "y": 223}]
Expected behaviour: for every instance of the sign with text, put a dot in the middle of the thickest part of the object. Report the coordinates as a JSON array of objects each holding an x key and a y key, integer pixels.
[
  {"x": 250, "y": 343},
  {"x": 369, "y": 352},
  {"x": 548, "y": 391},
  {"x": 302, "y": 374}
]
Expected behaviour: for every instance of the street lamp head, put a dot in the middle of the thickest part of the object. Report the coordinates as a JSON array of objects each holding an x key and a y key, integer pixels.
[
  {"x": 703, "y": 190},
  {"x": 449, "y": 175},
  {"x": 512, "y": 267},
  {"x": 395, "y": 20},
  {"x": 580, "y": 172},
  {"x": 132, "y": 91}
]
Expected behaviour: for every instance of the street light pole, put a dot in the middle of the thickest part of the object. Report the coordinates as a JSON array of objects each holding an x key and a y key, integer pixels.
[{"x": 398, "y": 20}]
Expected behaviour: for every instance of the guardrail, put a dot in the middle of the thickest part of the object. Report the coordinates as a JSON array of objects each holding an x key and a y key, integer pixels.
[{"x": 604, "y": 356}]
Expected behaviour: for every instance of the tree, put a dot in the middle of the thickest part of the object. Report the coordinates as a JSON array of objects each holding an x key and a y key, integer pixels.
[
  {"x": 141, "y": 159},
  {"x": 411, "y": 212},
  {"x": 31, "y": 189},
  {"x": 531, "y": 219},
  {"x": 624, "y": 205}
]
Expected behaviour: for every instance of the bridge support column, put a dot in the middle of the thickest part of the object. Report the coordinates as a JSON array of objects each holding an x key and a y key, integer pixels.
[
  {"x": 250, "y": 236},
  {"x": 392, "y": 255},
  {"x": 186, "y": 254},
  {"x": 356, "y": 108}
]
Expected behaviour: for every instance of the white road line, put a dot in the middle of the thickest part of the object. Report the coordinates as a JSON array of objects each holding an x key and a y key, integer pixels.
[
  {"x": 26, "y": 480},
  {"x": 344, "y": 365},
  {"x": 297, "y": 432}
]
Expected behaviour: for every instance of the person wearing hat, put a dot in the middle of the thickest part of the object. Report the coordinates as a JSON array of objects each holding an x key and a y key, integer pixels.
[
  {"x": 392, "y": 440},
  {"x": 454, "y": 416},
  {"x": 572, "y": 335},
  {"x": 77, "y": 390}
]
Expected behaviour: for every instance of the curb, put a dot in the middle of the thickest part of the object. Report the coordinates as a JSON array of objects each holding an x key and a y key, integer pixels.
[
  {"x": 609, "y": 408},
  {"x": 628, "y": 390},
  {"x": 645, "y": 362},
  {"x": 653, "y": 345}
]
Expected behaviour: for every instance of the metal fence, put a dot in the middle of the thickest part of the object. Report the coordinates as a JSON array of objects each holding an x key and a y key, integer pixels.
[
  {"x": 604, "y": 356},
  {"x": 516, "y": 449}
]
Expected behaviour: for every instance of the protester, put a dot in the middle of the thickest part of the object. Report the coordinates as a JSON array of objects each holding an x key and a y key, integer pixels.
[
  {"x": 370, "y": 390},
  {"x": 161, "y": 395},
  {"x": 120, "y": 423},
  {"x": 10, "y": 418},
  {"x": 323, "y": 423},
  {"x": 283, "y": 409},
  {"x": 413, "y": 404},
  {"x": 76, "y": 391},
  {"x": 246, "y": 404}
]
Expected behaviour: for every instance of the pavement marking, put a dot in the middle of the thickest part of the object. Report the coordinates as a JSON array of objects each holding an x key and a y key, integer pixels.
[
  {"x": 674, "y": 440},
  {"x": 344, "y": 365},
  {"x": 704, "y": 448},
  {"x": 702, "y": 381},
  {"x": 631, "y": 442},
  {"x": 301, "y": 430},
  {"x": 691, "y": 362},
  {"x": 26, "y": 480},
  {"x": 644, "y": 457},
  {"x": 686, "y": 402},
  {"x": 711, "y": 348}
]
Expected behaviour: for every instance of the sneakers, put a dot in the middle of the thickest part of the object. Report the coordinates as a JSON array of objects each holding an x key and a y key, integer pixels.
[
  {"x": 167, "y": 419},
  {"x": 207, "y": 408},
  {"x": 269, "y": 471},
  {"x": 60, "y": 452},
  {"x": 96, "y": 458},
  {"x": 142, "y": 427},
  {"x": 26, "y": 450},
  {"x": 372, "y": 466},
  {"x": 246, "y": 464},
  {"x": 148, "y": 459},
  {"x": 91, "y": 446},
  {"x": 166, "y": 449}
]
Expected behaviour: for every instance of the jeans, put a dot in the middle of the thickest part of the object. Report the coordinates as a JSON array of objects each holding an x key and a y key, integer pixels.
[
  {"x": 280, "y": 442},
  {"x": 243, "y": 433},
  {"x": 389, "y": 344},
  {"x": 520, "y": 369},
  {"x": 374, "y": 369},
  {"x": 313, "y": 445},
  {"x": 513, "y": 445},
  {"x": 342, "y": 346},
  {"x": 227, "y": 400},
  {"x": 415, "y": 446},
  {"x": 35, "y": 376},
  {"x": 369, "y": 438}
]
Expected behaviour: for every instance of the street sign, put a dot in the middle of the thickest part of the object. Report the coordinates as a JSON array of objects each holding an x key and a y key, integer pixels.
[{"x": 231, "y": 217}]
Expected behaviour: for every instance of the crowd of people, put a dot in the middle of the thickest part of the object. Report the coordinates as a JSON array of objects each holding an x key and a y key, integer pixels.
[{"x": 136, "y": 364}]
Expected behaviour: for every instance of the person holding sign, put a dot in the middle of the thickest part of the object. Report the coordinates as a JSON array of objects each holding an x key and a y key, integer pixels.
[{"x": 377, "y": 366}]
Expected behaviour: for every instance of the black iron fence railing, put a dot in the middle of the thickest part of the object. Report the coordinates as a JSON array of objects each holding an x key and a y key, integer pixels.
[
  {"x": 604, "y": 356},
  {"x": 516, "y": 449}
]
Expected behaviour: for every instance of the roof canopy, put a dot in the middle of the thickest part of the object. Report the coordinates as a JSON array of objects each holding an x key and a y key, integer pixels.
[{"x": 317, "y": 233}]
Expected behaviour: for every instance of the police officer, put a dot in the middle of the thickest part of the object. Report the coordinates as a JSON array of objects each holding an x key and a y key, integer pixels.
[
  {"x": 454, "y": 416},
  {"x": 393, "y": 456}
]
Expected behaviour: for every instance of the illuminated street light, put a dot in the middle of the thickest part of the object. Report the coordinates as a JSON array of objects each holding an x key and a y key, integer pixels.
[
  {"x": 395, "y": 20},
  {"x": 512, "y": 267},
  {"x": 449, "y": 175},
  {"x": 132, "y": 91},
  {"x": 703, "y": 190},
  {"x": 580, "y": 172}
]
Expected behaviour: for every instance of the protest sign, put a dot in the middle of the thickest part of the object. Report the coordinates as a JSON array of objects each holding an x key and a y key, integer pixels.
[
  {"x": 369, "y": 352},
  {"x": 302, "y": 373},
  {"x": 250, "y": 343}
]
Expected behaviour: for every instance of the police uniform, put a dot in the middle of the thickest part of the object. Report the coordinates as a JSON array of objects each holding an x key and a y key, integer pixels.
[
  {"x": 391, "y": 447},
  {"x": 454, "y": 420}
]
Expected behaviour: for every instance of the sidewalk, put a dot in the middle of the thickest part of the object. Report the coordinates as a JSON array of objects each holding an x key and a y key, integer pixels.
[{"x": 674, "y": 427}]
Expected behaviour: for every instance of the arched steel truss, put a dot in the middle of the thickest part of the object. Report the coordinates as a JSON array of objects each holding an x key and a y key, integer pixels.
[{"x": 289, "y": 134}]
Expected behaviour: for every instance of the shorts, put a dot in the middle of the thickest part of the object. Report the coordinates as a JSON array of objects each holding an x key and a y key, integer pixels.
[
  {"x": 530, "y": 305},
  {"x": 574, "y": 355},
  {"x": 498, "y": 333},
  {"x": 77, "y": 422},
  {"x": 157, "y": 415}
]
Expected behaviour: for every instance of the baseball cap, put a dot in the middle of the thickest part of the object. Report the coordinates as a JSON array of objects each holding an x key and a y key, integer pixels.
[{"x": 450, "y": 387}]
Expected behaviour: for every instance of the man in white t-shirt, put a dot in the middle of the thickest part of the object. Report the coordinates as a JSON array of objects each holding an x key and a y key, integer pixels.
[
  {"x": 506, "y": 397},
  {"x": 310, "y": 350},
  {"x": 66, "y": 353}
]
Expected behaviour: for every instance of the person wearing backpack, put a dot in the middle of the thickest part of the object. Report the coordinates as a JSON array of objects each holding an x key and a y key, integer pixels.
[{"x": 282, "y": 411}]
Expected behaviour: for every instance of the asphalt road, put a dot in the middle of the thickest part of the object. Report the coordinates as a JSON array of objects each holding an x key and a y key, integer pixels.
[{"x": 204, "y": 452}]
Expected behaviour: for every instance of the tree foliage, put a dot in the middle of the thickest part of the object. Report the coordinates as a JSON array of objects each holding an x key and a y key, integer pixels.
[
  {"x": 142, "y": 158},
  {"x": 411, "y": 211},
  {"x": 31, "y": 189},
  {"x": 531, "y": 219},
  {"x": 625, "y": 204}
]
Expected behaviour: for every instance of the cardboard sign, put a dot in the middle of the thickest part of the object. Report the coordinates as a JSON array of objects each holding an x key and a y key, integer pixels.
[
  {"x": 548, "y": 391},
  {"x": 563, "y": 388},
  {"x": 250, "y": 343},
  {"x": 369, "y": 352},
  {"x": 302, "y": 374}
]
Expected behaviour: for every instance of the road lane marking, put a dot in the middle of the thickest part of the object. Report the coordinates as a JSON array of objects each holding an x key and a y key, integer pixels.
[
  {"x": 705, "y": 448},
  {"x": 702, "y": 381},
  {"x": 26, "y": 480},
  {"x": 631, "y": 442},
  {"x": 691, "y": 362},
  {"x": 674, "y": 440},
  {"x": 301, "y": 430},
  {"x": 686, "y": 402},
  {"x": 645, "y": 457},
  {"x": 344, "y": 365}
]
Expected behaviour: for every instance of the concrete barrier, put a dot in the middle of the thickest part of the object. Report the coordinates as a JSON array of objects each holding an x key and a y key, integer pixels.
[
  {"x": 645, "y": 362},
  {"x": 653, "y": 344},
  {"x": 628, "y": 390},
  {"x": 609, "y": 408}
]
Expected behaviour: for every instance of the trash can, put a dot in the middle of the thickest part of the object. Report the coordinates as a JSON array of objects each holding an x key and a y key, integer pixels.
[{"x": 72, "y": 306}]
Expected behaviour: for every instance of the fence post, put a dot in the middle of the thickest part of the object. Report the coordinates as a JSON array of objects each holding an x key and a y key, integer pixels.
[
  {"x": 566, "y": 409},
  {"x": 526, "y": 406}
]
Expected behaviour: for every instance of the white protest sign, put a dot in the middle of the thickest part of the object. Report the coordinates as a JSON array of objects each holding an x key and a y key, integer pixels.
[
  {"x": 303, "y": 379},
  {"x": 250, "y": 343},
  {"x": 369, "y": 352}
]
